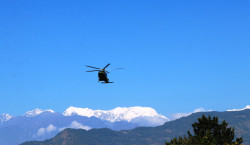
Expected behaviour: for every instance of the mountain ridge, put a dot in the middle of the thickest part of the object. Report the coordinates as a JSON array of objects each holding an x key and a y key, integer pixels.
[
  {"x": 116, "y": 114},
  {"x": 43, "y": 124},
  {"x": 151, "y": 135}
]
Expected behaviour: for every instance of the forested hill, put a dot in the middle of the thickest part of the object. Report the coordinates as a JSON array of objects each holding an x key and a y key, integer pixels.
[{"x": 240, "y": 120}]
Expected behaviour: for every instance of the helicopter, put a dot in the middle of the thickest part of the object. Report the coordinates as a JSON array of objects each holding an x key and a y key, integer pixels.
[{"x": 102, "y": 73}]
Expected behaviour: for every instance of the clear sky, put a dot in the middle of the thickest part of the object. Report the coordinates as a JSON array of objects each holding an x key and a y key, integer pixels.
[{"x": 178, "y": 55}]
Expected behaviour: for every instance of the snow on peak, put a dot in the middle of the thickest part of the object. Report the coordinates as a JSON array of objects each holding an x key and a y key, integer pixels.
[
  {"x": 36, "y": 112},
  {"x": 124, "y": 113},
  {"x": 78, "y": 111},
  {"x": 5, "y": 117},
  {"x": 117, "y": 114},
  {"x": 247, "y": 107}
]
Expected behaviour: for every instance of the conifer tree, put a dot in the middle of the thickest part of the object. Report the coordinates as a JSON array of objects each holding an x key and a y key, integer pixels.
[{"x": 208, "y": 131}]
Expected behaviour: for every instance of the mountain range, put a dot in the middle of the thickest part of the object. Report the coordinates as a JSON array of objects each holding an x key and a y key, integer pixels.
[
  {"x": 238, "y": 119},
  {"x": 44, "y": 124}
]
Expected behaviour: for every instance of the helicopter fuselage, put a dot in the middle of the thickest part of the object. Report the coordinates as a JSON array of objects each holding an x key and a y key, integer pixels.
[{"x": 102, "y": 76}]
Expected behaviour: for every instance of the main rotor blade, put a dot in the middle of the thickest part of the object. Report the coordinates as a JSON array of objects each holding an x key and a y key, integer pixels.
[
  {"x": 92, "y": 67},
  {"x": 92, "y": 70},
  {"x": 106, "y": 66}
]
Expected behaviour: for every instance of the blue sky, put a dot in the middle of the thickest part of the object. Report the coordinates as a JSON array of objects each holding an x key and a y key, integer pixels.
[{"x": 178, "y": 55}]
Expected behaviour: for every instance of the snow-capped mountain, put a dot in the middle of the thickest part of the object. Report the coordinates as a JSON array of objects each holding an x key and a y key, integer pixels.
[
  {"x": 36, "y": 112},
  {"x": 118, "y": 114},
  {"x": 5, "y": 117},
  {"x": 247, "y": 107},
  {"x": 44, "y": 124}
]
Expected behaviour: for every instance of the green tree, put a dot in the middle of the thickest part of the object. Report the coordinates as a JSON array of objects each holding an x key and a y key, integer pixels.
[{"x": 208, "y": 131}]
